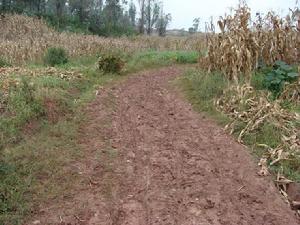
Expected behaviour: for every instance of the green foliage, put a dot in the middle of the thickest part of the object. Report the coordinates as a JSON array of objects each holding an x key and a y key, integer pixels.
[
  {"x": 187, "y": 57},
  {"x": 151, "y": 59},
  {"x": 55, "y": 56},
  {"x": 278, "y": 76},
  {"x": 202, "y": 89},
  {"x": 4, "y": 63},
  {"x": 257, "y": 80},
  {"x": 162, "y": 24},
  {"x": 21, "y": 106},
  {"x": 111, "y": 62},
  {"x": 11, "y": 194}
]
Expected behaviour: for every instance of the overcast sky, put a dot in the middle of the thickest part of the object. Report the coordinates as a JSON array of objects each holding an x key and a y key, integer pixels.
[{"x": 184, "y": 11}]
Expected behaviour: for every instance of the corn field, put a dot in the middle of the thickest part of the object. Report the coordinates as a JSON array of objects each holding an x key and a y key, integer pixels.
[
  {"x": 243, "y": 45},
  {"x": 24, "y": 39}
]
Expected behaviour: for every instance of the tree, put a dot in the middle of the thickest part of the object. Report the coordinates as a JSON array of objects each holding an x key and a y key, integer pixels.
[
  {"x": 191, "y": 30},
  {"x": 142, "y": 18},
  {"x": 132, "y": 13},
  {"x": 196, "y": 23},
  {"x": 59, "y": 7},
  {"x": 109, "y": 17},
  {"x": 162, "y": 23},
  {"x": 97, "y": 6},
  {"x": 113, "y": 11},
  {"x": 115, "y": 20},
  {"x": 80, "y": 8},
  {"x": 152, "y": 14},
  {"x": 195, "y": 26}
]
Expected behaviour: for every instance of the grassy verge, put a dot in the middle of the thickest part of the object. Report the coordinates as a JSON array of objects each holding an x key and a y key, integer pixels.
[
  {"x": 39, "y": 129},
  {"x": 153, "y": 59},
  {"x": 202, "y": 89}
]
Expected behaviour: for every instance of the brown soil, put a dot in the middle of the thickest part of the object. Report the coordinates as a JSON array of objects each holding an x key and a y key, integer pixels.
[
  {"x": 150, "y": 159},
  {"x": 52, "y": 110},
  {"x": 31, "y": 127}
]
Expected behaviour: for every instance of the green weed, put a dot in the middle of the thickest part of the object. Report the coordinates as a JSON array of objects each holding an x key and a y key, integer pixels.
[
  {"x": 55, "y": 56},
  {"x": 202, "y": 89}
]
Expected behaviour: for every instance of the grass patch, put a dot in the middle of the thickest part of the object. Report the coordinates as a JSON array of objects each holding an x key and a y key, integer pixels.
[
  {"x": 153, "y": 59},
  {"x": 33, "y": 171},
  {"x": 201, "y": 89},
  {"x": 21, "y": 105},
  {"x": 4, "y": 62}
]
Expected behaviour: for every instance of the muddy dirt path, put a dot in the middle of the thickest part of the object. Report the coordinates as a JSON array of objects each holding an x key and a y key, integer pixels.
[{"x": 151, "y": 160}]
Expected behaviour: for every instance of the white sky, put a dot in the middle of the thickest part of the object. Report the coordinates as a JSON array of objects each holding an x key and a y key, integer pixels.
[{"x": 184, "y": 11}]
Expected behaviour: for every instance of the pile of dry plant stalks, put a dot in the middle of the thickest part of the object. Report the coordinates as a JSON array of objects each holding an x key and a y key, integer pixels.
[
  {"x": 10, "y": 76},
  {"x": 253, "y": 109},
  {"x": 243, "y": 45},
  {"x": 7, "y": 72},
  {"x": 291, "y": 92},
  {"x": 24, "y": 39}
]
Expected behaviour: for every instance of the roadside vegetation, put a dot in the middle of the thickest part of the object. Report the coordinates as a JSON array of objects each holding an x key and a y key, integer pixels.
[
  {"x": 252, "y": 91},
  {"x": 208, "y": 92}
]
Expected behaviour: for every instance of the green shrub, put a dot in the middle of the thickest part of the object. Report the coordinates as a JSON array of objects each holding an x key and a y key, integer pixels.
[
  {"x": 4, "y": 63},
  {"x": 111, "y": 63},
  {"x": 278, "y": 76},
  {"x": 55, "y": 56},
  {"x": 187, "y": 57}
]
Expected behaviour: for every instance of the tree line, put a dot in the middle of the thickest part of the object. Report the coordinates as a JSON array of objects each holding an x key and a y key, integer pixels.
[{"x": 102, "y": 17}]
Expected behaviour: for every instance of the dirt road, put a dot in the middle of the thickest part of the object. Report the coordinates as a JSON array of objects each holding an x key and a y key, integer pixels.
[{"x": 151, "y": 160}]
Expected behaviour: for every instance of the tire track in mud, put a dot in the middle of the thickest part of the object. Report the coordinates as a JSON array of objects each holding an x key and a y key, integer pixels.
[{"x": 163, "y": 164}]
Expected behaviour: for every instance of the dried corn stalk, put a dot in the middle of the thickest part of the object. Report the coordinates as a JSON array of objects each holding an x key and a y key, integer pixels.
[
  {"x": 242, "y": 46},
  {"x": 291, "y": 92},
  {"x": 254, "y": 109},
  {"x": 8, "y": 81},
  {"x": 25, "y": 39}
]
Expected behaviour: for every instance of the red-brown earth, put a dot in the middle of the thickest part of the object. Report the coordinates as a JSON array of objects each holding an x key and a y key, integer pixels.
[{"x": 150, "y": 159}]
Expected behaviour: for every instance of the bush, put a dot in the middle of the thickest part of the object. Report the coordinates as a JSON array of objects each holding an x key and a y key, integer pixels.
[
  {"x": 187, "y": 57},
  {"x": 278, "y": 76},
  {"x": 55, "y": 56},
  {"x": 111, "y": 63},
  {"x": 4, "y": 63}
]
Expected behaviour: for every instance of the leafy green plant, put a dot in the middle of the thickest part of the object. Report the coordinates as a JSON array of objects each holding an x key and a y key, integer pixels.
[
  {"x": 280, "y": 74},
  {"x": 4, "y": 63},
  {"x": 111, "y": 63},
  {"x": 55, "y": 56},
  {"x": 187, "y": 57}
]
